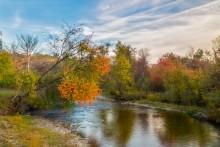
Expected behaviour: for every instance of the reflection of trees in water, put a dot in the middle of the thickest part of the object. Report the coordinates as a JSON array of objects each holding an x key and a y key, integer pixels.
[
  {"x": 118, "y": 125},
  {"x": 107, "y": 124},
  {"x": 124, "y": 125},
  {"x": 172, "y": 129},
  {"x": 143, "y": 120},
  {"x": 179, "y": 129}
]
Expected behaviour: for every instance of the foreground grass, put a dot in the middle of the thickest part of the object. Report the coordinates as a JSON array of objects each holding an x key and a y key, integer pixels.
[{"x": 22, "y": 130}]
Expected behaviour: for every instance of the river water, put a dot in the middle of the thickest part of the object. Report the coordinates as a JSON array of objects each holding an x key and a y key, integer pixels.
[{"x": 110, "y": 124}]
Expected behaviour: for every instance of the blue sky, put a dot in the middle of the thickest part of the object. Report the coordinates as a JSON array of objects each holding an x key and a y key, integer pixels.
[{"x": 160, "y": 25}]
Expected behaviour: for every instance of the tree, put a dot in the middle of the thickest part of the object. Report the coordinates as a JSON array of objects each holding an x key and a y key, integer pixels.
[
  {"x": 27, "y": 43},
  {"x": 7, "y": 74},
  {"x": 216, "y": 49},
  {"x": 174, "y": 82},
  {"x": 82, "y": 85},
  {"x": 126, "y": 50},
  {"x": 214, "y": 70},
  {"x": 121, "y": 76},
  {"x": 159, "y": 70},
  {"x": 78, "y": 66},
  {"x": 141, "y": 70}
]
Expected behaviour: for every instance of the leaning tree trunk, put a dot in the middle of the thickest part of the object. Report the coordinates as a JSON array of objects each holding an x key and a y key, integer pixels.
[{"x": 16, "y": 102}]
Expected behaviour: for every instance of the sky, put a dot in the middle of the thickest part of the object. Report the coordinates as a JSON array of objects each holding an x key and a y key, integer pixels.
[{"x": 160, "y": 25}]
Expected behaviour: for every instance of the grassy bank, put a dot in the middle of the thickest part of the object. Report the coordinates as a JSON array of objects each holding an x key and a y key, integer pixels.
[
  {"x": 202, "y": 113},
  {"x": 210, "y": 112},
  {"x": 171, "y": 107},
  {"x": 22, "y": 130}
]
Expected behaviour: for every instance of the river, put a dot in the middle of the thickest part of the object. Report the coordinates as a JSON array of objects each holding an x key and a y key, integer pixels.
[{"x": 110, "y": 124}]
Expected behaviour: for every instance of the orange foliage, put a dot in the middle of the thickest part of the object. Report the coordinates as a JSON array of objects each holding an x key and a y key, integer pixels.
[
  {"x": 102, "y": 64},
  {"x": 79, "y": 90}
]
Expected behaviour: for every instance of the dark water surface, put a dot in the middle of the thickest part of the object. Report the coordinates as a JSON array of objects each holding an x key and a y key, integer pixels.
[{"x": 110, "y": 124}]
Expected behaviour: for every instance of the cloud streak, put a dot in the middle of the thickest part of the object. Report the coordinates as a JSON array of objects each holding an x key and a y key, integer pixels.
[{"x": 165, "y": 26}]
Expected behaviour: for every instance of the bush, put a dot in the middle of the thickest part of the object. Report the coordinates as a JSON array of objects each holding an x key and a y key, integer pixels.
[
  {"x": 156, "y": 97},
  {"x": 134, "y": 95},
  {"x": 214, "y": 116},
  {"x": 213, "y": 99},
  {"x": 26, "y": 82}
]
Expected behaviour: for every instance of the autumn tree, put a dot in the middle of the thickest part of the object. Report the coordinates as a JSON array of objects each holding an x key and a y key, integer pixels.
[
  {"x": 82, "y": 85},
  {"x": 159, "y": 70},
  {"x": 167, "y": 76},
  {"x": 77, "y": 67},
  {"x": 216, "y": 49},
  {"x": 141, "y": 70},
  {"x": 216, "y": 71}
]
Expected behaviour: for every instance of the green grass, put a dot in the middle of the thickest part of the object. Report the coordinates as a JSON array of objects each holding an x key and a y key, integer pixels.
[
  {"x": 6, "y": 93},
  {"x": 5, "y": 97},
  {"x": 20, "y": 130},
  {"x": 170, "y": 106}
]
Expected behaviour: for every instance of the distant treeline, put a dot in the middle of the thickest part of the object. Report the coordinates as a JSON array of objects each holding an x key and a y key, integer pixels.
[{"x": 192, "y": 80}]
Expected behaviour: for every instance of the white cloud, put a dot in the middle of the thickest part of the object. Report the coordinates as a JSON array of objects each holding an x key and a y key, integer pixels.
[
  {"x": 87, "y": 30},
  {"x": 170, "y": 27}
]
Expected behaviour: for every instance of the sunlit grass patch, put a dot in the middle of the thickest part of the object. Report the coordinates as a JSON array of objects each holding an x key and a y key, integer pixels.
[
  {"x": 6, "y": 93},
  {"x": 5, "y": 96},
  {"x": 20, "y": 130}
]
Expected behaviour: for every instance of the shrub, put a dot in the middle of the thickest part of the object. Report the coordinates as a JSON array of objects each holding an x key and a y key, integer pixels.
[
  {"x": 214, "y": 116},
  {"x": 213, "y": 99},
  {"x": 156, "y": 97},
  {"x": 134, "y": 95}
]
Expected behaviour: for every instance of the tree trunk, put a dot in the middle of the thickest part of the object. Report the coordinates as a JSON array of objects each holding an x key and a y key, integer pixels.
[{"x": 28, "y": 62}]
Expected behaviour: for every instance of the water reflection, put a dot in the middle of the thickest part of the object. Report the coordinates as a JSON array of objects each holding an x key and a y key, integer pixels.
[
  {"x": 117, "y": 125},
  {"x": 110, "y": 124},
  {"x": 179, "y": 129},
  {"x": 143, "y": 121}
]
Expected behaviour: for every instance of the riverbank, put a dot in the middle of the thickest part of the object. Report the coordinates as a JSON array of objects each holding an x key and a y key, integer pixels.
[
  {"x": 200, "y": 113},
  {"x": 22, "y": 130}
]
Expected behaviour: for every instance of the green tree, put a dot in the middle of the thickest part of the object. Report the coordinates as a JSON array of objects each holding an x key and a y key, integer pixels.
[
  {"x": 7, "y": 74},
  {"x": 122, "y": 75},
  {"x": 121, "y": 70}
]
